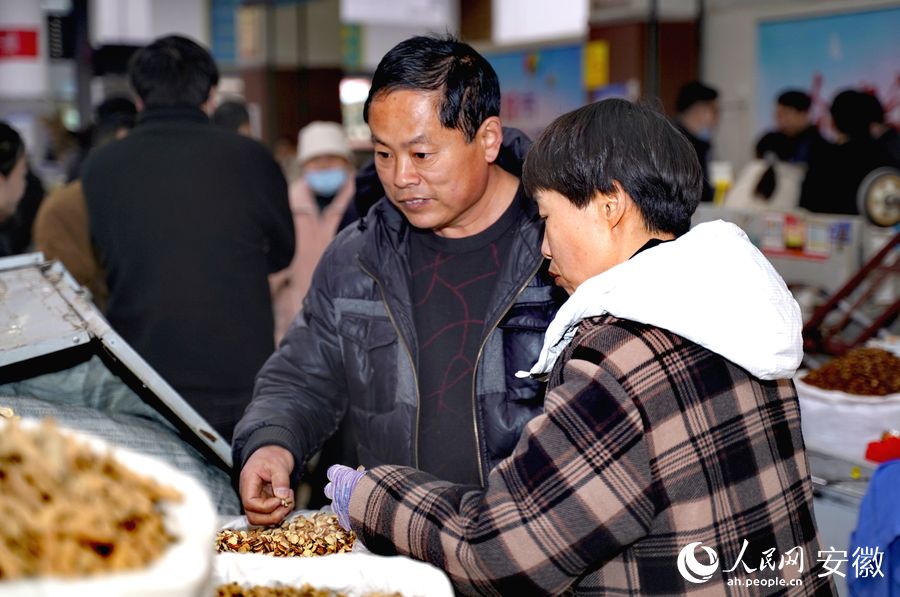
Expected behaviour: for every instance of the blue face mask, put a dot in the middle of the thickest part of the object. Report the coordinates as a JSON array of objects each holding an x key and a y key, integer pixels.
[{"x": 326, "y": 182}]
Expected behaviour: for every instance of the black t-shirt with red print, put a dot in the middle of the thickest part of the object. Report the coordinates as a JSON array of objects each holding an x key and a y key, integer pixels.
[{"x": 452, "y": 283}]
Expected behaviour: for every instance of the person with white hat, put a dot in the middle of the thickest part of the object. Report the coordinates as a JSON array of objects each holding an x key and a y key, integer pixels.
[{"x": 320, "y": 199}]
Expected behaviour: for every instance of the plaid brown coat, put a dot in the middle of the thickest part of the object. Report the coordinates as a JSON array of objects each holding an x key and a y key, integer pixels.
[{"x": 649, "y": 443}]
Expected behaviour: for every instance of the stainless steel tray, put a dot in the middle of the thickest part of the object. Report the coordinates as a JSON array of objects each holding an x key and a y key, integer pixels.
[{"x": 43, "y": 311}]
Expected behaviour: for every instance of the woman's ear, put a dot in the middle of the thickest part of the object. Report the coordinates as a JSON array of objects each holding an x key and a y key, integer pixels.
[
  {"x": 490, "y": 136},
  {"x": 611, "y": 207}
]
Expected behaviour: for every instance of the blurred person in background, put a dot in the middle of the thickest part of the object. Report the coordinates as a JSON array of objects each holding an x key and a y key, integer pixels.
[
  {"x": 418, "y": 317},
  {"x": 833, "y": 178},
  {"x": 15, "y": 232},
  {"x": 697, "y": 116},
  {"x": 64, "y": 148},
  {"x": 61, "y": 228},
  {"x": 284, "y": 148},
  {"x": 885, "y": 134},
  {"x": 770, "y": 181},
  {"x": 799, "y": 136},
  {"x": 19, "y": 206},
  {"x": 322, "y": 205},
  {"x": 233, "y": 115},
  {"x": 108, "y": 115},
  {"x": 12, "y": 175},
  {"x": 189, "y": 220}
]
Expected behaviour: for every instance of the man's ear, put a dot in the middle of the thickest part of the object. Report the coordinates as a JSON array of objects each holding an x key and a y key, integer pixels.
[
  {"x": 490, "y": 136},
  {"x": 209, "y": 106}
]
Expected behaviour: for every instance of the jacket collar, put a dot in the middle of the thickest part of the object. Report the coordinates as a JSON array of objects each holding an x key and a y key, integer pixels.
[
  {"x": 172, "y": 113},
  {"x": 710, "y": 286}
]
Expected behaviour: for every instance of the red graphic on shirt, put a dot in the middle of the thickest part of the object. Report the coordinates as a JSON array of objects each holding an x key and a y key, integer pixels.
[{"x": 460, "y": 322}]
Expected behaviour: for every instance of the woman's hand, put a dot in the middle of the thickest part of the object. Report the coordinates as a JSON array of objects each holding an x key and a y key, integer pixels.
[{"x": 343, "y": 480}]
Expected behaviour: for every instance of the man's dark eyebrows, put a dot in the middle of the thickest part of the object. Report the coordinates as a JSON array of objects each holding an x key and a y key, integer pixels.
[
  {"x": 422, "y": 138},
  {"x": 418, "y": 139}
]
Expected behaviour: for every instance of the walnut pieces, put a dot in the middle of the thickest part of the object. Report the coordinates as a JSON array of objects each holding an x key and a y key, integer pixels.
[
  {"x": 68, "y": 510},
  {"x": 300, "y": 536},
  {"x": 862, "y": 371}
]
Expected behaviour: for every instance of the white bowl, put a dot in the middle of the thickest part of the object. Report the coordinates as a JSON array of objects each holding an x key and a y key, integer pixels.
[{"x": 184, "y": 569}]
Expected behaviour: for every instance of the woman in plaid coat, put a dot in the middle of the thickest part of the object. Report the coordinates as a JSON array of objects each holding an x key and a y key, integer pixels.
[{"x": 669, "y": 459}]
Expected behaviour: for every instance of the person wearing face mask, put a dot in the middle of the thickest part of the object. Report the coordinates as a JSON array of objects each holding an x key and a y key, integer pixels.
[
  {"x": 12, "y": 175},
  {"x": 698, "y": 115},
  {"x": 322, "y": 204}
]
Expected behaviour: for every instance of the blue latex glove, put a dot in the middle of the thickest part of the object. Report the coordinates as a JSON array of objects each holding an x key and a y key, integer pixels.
[{"x": 343, "y": 481}]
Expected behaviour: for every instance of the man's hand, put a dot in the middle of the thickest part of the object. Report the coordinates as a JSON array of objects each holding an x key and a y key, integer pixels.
[{"x": 266, "y": 487}]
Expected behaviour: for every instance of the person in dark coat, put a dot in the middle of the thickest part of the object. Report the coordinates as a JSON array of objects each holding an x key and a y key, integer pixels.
[
  {"x": 697, "y": 107},
  {"x": 832, "y": 181},
  {"x": 794, "y": 133},
  {"x": 189, "y": 220},
  {"x": 884, "y": 133},
  {"x": 419, "y": 317}
]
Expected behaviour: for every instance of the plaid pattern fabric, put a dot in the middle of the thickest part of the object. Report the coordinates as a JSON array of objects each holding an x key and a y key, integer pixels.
[{"x": 649, "y": 443}]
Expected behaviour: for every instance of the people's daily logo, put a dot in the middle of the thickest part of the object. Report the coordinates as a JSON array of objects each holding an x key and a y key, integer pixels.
[
  {"x": 693, "y": 570},
  {"x": 774, "y": 569}
]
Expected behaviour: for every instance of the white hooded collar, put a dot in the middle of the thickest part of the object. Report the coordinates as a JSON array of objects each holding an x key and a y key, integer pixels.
[{"x": 710, "y": 286}]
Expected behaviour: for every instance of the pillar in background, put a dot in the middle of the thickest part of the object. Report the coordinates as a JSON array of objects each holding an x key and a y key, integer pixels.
[
  {"x": 626, "y": 27},
  {"x": 289, "y": 57}
]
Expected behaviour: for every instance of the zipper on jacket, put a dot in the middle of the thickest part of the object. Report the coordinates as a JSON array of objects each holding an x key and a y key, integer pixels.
[
  {"x": 412, "y": 362},
  {"x": 478, "y": 359}
]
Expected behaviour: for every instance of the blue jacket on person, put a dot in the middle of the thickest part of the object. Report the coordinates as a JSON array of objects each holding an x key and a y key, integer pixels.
[{"x": 878, "y": 528}]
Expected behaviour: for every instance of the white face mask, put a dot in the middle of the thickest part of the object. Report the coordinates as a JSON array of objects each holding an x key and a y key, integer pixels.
[{"x": 326, "y": 182}]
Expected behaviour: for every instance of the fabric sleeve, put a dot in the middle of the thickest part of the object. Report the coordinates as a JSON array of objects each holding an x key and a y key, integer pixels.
[
  {"x": 300, "y": 396},
  {"x": 576, "y": 492},
  {"x": 57, "y": 236}
]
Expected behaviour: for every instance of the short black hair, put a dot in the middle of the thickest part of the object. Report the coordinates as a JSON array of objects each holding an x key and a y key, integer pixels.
[
  {"x": 796, "y": 99},
  {"x": 173, "y": 71},
  {"x": 231, "y": 115},
  {"x": 469, "y": 88},
  {"x": 850, "y": 115},
  {"x": 692, "y": 93},
  {"x": 110, "y": 116},
  {"x": 872, "y": 108},
  {"x": 12, "y": 148},
  {"x": 585, "y": 151}
]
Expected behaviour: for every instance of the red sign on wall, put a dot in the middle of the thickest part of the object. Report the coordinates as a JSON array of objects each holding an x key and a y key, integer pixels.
[{"x": 18, "y": 43}]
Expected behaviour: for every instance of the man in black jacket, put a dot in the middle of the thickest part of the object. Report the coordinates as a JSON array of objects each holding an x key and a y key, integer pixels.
[
  {"x": 189, "y": 219},
  {"x": 419, "y": 317}
]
